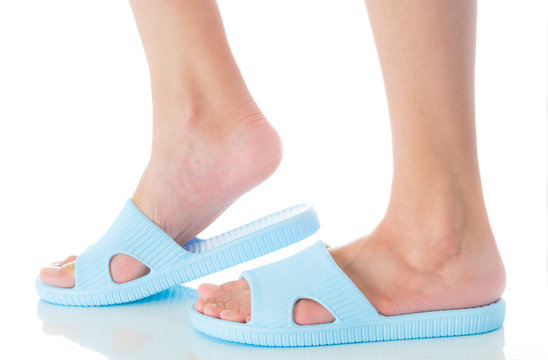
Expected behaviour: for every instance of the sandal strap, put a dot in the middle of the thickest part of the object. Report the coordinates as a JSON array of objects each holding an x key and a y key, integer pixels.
[
  {"x": 310, "y": 274},
  {"x": 132, "y": 233}
]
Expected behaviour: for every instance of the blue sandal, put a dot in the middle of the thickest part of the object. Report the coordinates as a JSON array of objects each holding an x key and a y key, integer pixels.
[
  {"x": 312, "y": 274},
  {"x": 134, "y": 234}
]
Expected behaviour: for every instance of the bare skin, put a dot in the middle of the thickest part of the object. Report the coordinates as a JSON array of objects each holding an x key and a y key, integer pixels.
[
  {"x": 392, "y": 279},
  {"x": 211, "y": 143},
  {"x": 434, "y": 248}
]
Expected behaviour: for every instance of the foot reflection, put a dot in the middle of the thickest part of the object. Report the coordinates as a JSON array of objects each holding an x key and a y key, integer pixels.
[
  {"x": 157, "y": 327},
  {"x": 152, "y": 328}
]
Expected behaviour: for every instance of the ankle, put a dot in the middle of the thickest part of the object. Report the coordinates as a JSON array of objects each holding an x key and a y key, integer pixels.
[
  {"x": 465, "y": 256},
  {"x": 179, "y": 124},
  {"x": 437, "y": 228}
]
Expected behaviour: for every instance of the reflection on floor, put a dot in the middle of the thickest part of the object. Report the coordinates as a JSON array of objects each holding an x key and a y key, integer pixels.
[{"x": 157, "y": 327}]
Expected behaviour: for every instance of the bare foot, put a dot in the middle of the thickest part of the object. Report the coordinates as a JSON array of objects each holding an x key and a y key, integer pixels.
[
  {"x": 396, "y": 272},
  {"x": 195, "y": 172}
]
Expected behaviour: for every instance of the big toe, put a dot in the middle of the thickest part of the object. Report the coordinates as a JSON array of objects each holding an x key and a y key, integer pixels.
[
  {"x": 59, "y": 274},
  {"x": 210, "y": 292}
]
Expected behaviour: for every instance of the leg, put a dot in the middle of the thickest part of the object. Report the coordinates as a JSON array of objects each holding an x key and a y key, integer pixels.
[
  {"x": 211, "y": 142},
  {"x": 434, "y": 248}
]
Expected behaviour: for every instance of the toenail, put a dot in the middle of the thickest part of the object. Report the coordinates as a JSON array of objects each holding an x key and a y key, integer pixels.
[
  {"x": 70, "y": 270},
  {"x": 50, "y": 269},
  {"x": 226, "y": 313}
]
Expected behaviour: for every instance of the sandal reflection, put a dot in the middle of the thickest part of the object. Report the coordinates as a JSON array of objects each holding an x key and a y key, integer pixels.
[{"x": 158, "y": 327}]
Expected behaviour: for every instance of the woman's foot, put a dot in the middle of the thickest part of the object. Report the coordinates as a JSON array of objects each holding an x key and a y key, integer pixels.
[
  {"x": 199, "y": 166},
  {"x": 435, "y": 266}
]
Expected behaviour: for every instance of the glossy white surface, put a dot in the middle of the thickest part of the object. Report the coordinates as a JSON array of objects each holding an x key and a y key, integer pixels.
[{"x": 158, "y": 328}]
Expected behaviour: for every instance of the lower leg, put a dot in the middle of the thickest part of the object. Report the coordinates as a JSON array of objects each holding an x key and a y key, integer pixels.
[
  {"x": 436, "y": 219},
  {"x": 211, "y": 143},
  {"x": 434, "y": 248},
  {"x": 427, "y": 55}
]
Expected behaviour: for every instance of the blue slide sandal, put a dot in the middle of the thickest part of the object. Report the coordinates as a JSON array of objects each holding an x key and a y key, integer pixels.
[
  {"x": 313, "y": 274},
  {"x": 134, "y": 234}
]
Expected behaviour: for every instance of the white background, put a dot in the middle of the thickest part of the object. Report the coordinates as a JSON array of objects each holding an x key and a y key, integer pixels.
[{"x": 75, "y": 128}]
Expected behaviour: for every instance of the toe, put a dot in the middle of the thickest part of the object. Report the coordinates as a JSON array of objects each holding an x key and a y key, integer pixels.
[
  {"x": 199, "y": 305},
  {"x": 213, "y": 309},
  {"x": 60, "y": 276},
  {"x": 230, "y": 301},
  {"x": 238, "y": 311},
  {"x": 63, "y": 262},
  {"x": 208, "y": 291},
  {"x": 236, "y": 285},
  {"x": 214, "y": 293},
  {"x": 232, "y": 315}
]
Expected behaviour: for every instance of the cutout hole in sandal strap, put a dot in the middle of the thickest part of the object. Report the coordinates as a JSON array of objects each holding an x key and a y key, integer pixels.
[
  {"x": 311, "y": 312},
  {"x": 126, "y": 268}
]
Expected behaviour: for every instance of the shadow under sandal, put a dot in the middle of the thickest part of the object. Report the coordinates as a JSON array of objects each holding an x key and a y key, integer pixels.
[
  {"x": 313, "y": 274},
  {"x": 133, "y": 234}
]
